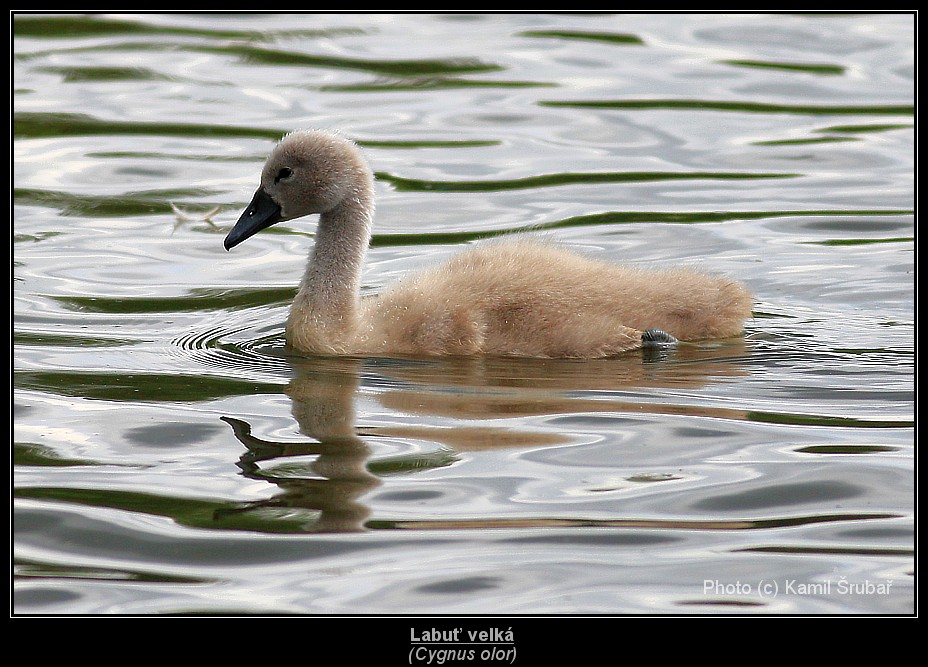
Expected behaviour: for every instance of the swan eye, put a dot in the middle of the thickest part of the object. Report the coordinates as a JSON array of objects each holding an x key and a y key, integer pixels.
[{"x": 285, "y": 172}]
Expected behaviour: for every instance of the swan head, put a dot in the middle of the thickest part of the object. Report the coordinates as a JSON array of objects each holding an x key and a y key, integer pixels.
[{"x": 309, "y": 171}]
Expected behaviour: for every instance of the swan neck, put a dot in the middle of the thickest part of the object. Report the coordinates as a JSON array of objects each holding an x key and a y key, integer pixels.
[
  {"x": 328, "y": 302},
  {"x": 341, "y": 244}
]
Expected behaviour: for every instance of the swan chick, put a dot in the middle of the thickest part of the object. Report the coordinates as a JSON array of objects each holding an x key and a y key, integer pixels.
[{"x": 513, "y": 297}]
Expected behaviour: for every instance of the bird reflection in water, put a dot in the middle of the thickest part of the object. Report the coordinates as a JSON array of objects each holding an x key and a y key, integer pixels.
[
  {"x": 330, "y": 486},
  {"x": 325, "y": 495}
]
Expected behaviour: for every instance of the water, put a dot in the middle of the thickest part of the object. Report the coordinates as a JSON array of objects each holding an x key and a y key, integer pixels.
[{"x": 172, "y": 456}]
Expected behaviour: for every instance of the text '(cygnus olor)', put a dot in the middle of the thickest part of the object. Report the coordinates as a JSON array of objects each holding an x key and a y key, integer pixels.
[{"x": 513, "y": 297}]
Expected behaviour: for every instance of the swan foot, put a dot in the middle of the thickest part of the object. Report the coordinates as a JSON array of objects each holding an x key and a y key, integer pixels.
[{"x": 657, "y": 338}]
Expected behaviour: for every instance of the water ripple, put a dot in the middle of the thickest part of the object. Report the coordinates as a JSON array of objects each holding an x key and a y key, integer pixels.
[
  {"x": 251, "y": 357},
  {"x": 741, "y": 107}
]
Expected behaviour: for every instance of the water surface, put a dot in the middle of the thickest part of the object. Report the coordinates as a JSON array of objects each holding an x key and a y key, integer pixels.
[{"x": 172, "y": 456}]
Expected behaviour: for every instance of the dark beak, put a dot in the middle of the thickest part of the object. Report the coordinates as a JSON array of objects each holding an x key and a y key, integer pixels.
[{"x": 261, "y": 213}]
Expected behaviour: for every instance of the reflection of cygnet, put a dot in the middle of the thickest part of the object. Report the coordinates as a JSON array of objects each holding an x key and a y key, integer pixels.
[{"x": 513, "y": 297}]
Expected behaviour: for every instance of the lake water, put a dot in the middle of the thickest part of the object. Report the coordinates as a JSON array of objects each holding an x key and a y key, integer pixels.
[{"x": 172, "y": 456}]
